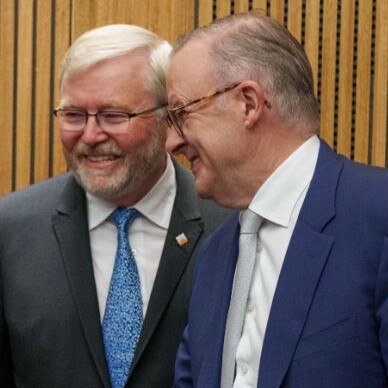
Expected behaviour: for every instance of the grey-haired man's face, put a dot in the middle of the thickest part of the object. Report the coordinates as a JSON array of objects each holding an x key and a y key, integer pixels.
[
  {"x": 210, "y": 141},
  {"x": 114, "y": 166}
]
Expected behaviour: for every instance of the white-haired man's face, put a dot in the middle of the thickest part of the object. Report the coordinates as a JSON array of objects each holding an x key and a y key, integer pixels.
[{"x": 118, "y": 167}]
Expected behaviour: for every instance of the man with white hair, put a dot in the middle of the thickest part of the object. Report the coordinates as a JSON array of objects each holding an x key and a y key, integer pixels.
[{"x": 96, "y": 264}]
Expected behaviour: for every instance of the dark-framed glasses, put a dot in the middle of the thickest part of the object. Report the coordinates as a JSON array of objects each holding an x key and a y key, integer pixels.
[
  {"x": 177, "y": 115},
  {"x": 114, "y": 122}
]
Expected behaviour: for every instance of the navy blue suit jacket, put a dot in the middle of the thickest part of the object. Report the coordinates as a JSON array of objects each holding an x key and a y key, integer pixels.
[{"x": 328, "y": 324}]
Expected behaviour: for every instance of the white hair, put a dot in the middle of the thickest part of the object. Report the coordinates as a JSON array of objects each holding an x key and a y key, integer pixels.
[{"x": 115, "y": 40}]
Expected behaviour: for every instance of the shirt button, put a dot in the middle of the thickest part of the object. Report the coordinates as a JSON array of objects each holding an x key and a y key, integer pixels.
[
  {"x": 251, "y": 305},
  {"x": 244, "y": 369}
]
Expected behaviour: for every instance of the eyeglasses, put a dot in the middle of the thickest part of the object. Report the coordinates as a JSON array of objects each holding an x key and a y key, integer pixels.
[
  {"x": 176, "y": 116},
  {"x": 113, "y": 122}
]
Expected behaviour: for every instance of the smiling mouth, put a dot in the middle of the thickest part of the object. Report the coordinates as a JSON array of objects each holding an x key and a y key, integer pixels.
[
  {"x": 100, "y": 162},
  {"x": 101, "y": 158}
]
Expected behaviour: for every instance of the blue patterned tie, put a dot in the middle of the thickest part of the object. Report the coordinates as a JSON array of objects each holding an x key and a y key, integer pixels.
[{"x": 123, "y": 318}]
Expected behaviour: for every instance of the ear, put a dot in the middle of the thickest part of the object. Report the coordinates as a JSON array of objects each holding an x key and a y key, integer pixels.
[{"x": 254, "y": 102}]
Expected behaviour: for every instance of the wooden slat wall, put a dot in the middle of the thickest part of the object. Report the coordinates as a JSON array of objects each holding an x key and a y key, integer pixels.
[
  {"x": 60, "y": 39},
  {"x": 7, "y": 22},
  {"x": 379, "y": 96},
  {"x": 346, "y": 41}
]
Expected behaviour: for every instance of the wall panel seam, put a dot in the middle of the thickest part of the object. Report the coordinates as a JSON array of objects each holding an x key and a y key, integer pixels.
[
  {"x": 372, "y": 82},
  {"x": 15, "y": 88},
  {"x": 33, "y": 92}
]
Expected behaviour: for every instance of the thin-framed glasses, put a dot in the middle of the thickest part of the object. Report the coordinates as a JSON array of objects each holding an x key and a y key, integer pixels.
[
  {"x": 113, "y": 122},
  {"x": 176, "y": 117}
]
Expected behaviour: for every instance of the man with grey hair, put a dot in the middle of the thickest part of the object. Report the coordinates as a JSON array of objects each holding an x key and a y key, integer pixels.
[
  {"x": 96, "y": 264},
  {"x": 293, "y": 290}
]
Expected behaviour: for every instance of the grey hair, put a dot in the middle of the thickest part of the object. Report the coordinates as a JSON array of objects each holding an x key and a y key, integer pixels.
[
  {"x": 115, "y": 40},
  {"x": 256, "y": 47}
]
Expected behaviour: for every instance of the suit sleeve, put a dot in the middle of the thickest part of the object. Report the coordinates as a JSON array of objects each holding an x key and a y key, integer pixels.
[
  {"x": 183, "y": 377},
  {"x": 382, "y": 302}
]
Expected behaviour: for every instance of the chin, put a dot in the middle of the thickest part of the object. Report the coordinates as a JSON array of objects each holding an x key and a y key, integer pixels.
[
  {"x": 203, "y": 190},
  {"x": 102, "y": 185},
  {"x": 220, "y": 197}
]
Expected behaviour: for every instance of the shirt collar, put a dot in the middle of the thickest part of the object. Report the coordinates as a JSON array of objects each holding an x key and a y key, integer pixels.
[
  {"x": 277, "y": 197},
  {"x": 156, "y": 205}
]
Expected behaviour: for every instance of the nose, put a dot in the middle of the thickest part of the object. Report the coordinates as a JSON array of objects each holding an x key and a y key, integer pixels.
[
  {"x": 93, "y": 133},
  {"x": 174, "y": 142}
]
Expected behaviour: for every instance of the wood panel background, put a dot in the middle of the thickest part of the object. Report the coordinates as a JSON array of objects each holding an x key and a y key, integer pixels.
[{"x": 345, "y": 40}]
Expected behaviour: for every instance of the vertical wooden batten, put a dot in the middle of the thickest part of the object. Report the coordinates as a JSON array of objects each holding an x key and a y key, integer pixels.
[
  {"x": 223, "y": 8},
  {"x": 260, "y": 5},
  {"x": 61, "y": 39},
  {"x": 7, "y": 81},
  {"x": 205, "y": 12},
  {"x": 41, "y": 90},
  {"x": 23, "y": 107},
  {"x": 380, "y": 84},
  {"x": 276, "y": 10},
  {"x": 294, "y": 19},
  {"x": 312, "y": 37},
  {"x": 345, "y": 70},
  {"x": 363, "y": 81},
  {"x": 328, "y": 78},
  {"x": 241, "y": 6}
]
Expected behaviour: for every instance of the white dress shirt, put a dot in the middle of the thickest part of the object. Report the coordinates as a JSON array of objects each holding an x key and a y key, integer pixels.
[
  {"x": 278, "y": 201},
  {"x": 147, "y": 235}
]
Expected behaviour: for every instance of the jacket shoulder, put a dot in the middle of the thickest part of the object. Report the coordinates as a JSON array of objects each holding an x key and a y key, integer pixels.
[{"x": 39, "y": 197}]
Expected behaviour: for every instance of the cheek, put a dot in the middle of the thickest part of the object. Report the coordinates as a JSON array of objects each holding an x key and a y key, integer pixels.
[
  {"x": 69, "y": 140},
  {"x": 134, "y": 141}
]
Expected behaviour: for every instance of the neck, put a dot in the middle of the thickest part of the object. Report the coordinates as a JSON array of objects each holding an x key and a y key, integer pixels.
[{"x": 262, "y": 160}]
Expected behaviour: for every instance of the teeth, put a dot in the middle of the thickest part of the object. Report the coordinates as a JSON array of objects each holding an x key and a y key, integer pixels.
[{"x": 102, "y": 158}]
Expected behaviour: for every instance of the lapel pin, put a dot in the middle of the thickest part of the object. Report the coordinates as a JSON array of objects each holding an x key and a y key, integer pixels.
[{"x": 181, "y": 239}]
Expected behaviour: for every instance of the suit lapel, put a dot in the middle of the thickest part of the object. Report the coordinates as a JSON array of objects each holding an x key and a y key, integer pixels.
[
  {"x": 71, "y": 229},
  {"x": 217, "y": 310},
  {"x": 303, "y": 265},
  {"x": 185, "y": 218},
  {"x": 299, "y": 277}
]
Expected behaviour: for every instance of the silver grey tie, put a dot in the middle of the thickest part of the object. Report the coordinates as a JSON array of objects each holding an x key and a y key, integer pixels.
[{"x": 250, "y": 224}]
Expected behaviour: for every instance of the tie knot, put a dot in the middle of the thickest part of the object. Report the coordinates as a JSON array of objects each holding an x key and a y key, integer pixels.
[
  {"x": 250, "y": 222},
  {"x": 123, "y": 217}
]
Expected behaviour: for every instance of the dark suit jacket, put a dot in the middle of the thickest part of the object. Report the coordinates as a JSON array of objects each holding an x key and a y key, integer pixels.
[
  {"x": 50, "y": 332},
  {"x": 328, "y": 324}
]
